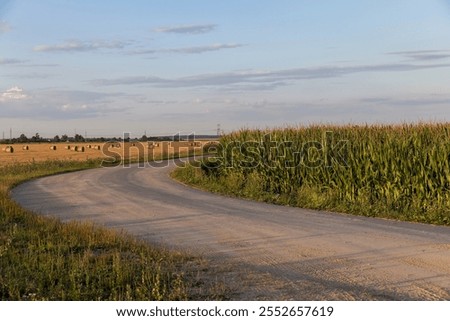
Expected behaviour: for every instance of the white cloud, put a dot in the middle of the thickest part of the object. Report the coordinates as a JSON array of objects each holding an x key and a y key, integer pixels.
[
  {"x": 80, "y": 46},
  {"x": 73, "y": 108},
  {"x": 187, "y": 29},
  {"x": 13, "y": 94},
  {"x": 4, "y": 27}
]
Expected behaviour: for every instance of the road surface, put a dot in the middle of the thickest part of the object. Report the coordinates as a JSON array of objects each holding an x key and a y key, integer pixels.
[{"x": 272, "y": 252}]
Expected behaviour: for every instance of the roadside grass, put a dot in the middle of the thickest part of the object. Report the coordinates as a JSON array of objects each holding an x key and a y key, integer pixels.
[
  {"x": 397, "y": 172},
  {"x": 44, "y": 259}
]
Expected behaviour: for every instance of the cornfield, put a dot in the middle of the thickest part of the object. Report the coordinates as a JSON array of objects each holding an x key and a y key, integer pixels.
[{"x": 403, "y": 167}]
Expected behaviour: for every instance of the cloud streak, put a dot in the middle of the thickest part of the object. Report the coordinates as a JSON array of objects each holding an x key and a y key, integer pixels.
[
  {"x": 266, "y": 79},
  {"x": 417, "y": 101},
  {"x": 187, "y": 29},
  {"x": 10, "y": 61},
  {"x": 80, "y": 46},
  {"x": 189, "y": 50},
  {"x": 423, "y": 55}
]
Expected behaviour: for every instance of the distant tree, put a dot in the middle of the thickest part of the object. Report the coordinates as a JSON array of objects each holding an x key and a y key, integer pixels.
[
  {"x": 79, "y": 138},
  {"x": 144, "y": 138},
  {"x": 23, "y": 139},
  {"x": 56, "y": 139},
  {"x": 64, "y": 138},
  {"x": 36, "y": 138}
]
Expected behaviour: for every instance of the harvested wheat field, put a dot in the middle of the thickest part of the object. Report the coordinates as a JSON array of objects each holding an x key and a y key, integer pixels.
[{"x": 22, "y": 153}]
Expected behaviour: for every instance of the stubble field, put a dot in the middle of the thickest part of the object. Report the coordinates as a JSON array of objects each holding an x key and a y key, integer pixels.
[
  {"x": 39, "y": 152},
  {"x": 42, "y": 258}
]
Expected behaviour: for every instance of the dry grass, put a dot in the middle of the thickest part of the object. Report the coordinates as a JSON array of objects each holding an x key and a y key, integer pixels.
[{"x": 40, "y": 152}]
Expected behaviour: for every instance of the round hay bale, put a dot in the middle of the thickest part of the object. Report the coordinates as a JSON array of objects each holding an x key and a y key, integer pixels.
[
  {"x": 67, "y": 147},
  {"x": 97, "y": 147},
  {"x": 89, "y": 146},
  {"x": 74, "y": 148},
  {"x": 25, "y": 147},
  {"x": 80, "y": 149},
  {"x": 8, "y": 149},
  {"x": 53, "y": 147}
]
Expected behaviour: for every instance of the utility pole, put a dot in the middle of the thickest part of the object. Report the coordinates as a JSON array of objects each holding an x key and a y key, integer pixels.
[{"x": 218, "y": 130}]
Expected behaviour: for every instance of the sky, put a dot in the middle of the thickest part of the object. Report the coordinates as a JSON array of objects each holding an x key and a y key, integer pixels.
[{"x": 101, "y": 68}]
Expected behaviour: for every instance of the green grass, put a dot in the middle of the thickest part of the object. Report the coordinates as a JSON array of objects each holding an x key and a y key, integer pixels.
[
  {"x": 398, "y": 172},
  {"x": 44, "y": 259}
]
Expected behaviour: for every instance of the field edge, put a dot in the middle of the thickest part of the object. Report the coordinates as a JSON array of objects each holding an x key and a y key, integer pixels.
[{"x": 81, "y": 261}]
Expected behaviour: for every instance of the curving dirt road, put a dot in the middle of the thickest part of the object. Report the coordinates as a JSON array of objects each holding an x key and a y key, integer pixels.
[{"x": 270, "y": 252}]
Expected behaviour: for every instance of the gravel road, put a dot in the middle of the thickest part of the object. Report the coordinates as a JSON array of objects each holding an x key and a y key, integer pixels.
[{"x": 271, "y": 252}]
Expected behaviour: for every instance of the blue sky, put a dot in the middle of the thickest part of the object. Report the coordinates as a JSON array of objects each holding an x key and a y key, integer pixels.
[{"x": 107, "y": 67}]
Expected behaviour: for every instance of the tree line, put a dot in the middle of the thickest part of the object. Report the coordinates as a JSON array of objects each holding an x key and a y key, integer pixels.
[
  {"x": 23, "y": 139},
  {"x": 39, "y": 139}
]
